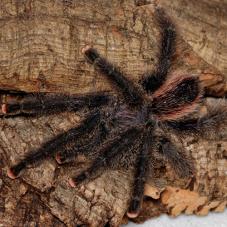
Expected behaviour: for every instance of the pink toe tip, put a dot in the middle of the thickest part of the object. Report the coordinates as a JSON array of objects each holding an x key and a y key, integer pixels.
[
  {"x": 11, "y": 174},
  {"x": 58, "y": 159},
  {"x": 4, "y": 108},
  {"x": 86, "y": 48},
  {"x": 72, "y": 183},
  {"x": 132, "y": 215}
]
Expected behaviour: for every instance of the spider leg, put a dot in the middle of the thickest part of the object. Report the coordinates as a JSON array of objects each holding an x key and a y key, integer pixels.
[
  {"x": 130, "y": 91},
  {"x": 44, "y": 103},
  {"x": 97, "y": 138},
  {"x": 152, "y": 81},
  {"x": 52, "y": 146},
  {"x": 107, "y": 153},
  {"x": 179, "y": 162},
  {"x": 209, "y": 126},
  {"x": 139, "y": 181}
]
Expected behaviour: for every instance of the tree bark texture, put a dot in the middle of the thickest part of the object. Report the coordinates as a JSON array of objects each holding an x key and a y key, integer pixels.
[{"x": 40, "y": 51}]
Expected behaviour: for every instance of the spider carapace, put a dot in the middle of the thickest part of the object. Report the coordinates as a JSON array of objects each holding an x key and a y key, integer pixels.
[{"x": 127, "y": 129}]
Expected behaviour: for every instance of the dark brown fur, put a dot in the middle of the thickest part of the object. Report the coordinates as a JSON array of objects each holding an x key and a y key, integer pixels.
[{"x": 126, "y": 130}]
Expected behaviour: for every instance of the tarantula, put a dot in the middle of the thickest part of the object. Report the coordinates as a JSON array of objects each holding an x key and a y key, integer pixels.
[{"x": 135, "y": 124}]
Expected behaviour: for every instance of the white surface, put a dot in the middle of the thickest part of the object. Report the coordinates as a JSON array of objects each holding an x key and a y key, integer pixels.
[{"x": 212, "y": 220}]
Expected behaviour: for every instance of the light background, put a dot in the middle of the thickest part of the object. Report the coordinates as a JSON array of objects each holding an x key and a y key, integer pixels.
[{"x": 212, "y": 220}]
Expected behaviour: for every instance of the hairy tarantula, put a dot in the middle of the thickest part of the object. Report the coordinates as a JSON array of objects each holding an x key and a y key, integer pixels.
[{"x": 135, "y": 124}]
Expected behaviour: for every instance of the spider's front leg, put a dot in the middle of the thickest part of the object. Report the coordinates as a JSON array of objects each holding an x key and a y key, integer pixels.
[
  {"x": 98, "y": 136},
  {"x": 32, "y": 104},
  {"x": 107, "y": 153},
  {"x": 52, "y": 146},
  {"x": 128, "y": 143},
  {"x": 140, "y": 177}
]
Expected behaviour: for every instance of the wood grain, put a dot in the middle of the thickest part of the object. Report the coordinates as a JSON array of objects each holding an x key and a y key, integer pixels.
[{"x": 40, "y": 50}]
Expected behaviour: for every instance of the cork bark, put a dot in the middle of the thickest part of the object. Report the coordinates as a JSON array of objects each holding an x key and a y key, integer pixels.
[{"x": 40, "y": 51}]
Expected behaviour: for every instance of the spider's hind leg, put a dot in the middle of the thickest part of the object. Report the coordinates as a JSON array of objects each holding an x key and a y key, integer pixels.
[
  {"x": 131, "y": 92},
  {"x": 152, "y": 81},
  {"x": 211, "y": 125}
]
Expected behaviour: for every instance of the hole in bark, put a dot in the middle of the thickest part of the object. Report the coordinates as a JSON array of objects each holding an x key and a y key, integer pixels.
[
  {"x": 142, "y": 2},
  {"x": 225, "y": 154},
  {"x": 191, "y": 184},
  {"x": 107, "y": 224}
]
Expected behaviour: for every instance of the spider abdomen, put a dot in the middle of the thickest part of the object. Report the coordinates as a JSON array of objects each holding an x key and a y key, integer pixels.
[{"x": 177, "y": 98}]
